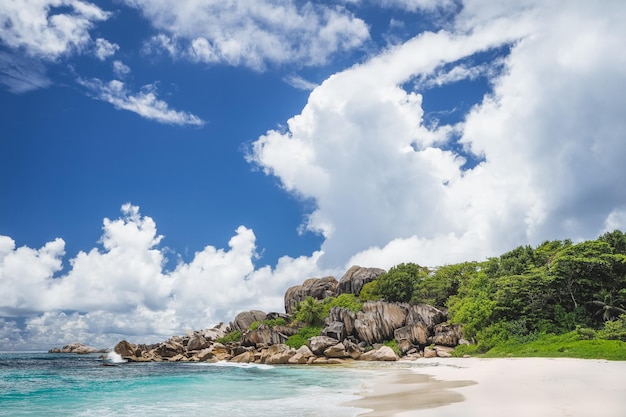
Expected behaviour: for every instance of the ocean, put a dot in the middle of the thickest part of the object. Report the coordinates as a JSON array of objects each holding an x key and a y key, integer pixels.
[{"x": 69, "y": 385}]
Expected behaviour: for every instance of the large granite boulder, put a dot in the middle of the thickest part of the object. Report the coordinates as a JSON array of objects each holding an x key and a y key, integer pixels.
[
  {"x": 244, "y": 319},
  {"x": 415, "y": 334},
  {"x": 205, "y": 355},
  {"x": 352, "y": 349},
  {"x": 429, "y": 315},
  {"x": 336, "y": 351},
  {"x": 318, "y": 288},
  {"x": 377, "y": 321},
  {"x": 342, "y": 315},
  {"x": 448, "y": 334},
  {"x": 286, "y": 330},
  {"x": 245, "y": 357},
  {"x": 263, "y": 336},
  {"x": 125, "y": 349},
  {"x": 336, "y": 330},
  {"x": 384, "y": 353},
  {"x": 279, "y": 354},
  {"x": 215, "y": 333},
  {"x": 430, "y": 352},
  {"x": 220, "y": 352},
  {"x": 170, "y": 348},
  {"x": 319, "y": 344},
  {"x": 353, "y": 280},
  {"x": 197, "y": 342}
]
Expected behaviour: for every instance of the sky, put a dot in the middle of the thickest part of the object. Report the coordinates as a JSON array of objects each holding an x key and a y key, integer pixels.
[{"x": 166, "y": 164}]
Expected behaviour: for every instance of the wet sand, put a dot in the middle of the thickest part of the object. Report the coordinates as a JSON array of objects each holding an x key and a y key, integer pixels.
[{"x": 471, "y": 387}]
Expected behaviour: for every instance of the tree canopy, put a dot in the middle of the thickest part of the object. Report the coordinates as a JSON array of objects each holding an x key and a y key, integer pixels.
[{"x": 556, "y": 287}]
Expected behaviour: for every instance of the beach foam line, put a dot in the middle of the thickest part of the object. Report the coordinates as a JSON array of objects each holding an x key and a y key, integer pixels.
[{"x": 232, "y": 364}]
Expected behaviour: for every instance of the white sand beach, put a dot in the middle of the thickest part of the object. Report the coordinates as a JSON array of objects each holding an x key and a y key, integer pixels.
[{"x": 519, "y": 387}]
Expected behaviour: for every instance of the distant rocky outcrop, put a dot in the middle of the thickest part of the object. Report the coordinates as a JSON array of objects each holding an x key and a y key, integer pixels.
[
  {"x": 244, "y": 319},
  {"x": 318, "y": 288},
  {"x": 264, "y": 335},
  {"x": 356, "y": 277},
  {"x": 412, "y": 326},
  {"x": 419, "y": 330},
  {"x": 77, "y": 348}
]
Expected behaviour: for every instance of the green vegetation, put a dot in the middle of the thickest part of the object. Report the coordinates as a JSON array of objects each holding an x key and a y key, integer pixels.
[
  {"x": 232, "y": 337},
  {"x": 313, "y": 312},
  {"x": 566, "y": 345},
  {"x": 558, "y": 299},
  {"x": 399, "y": 283},
  {"x": 310, "y": 312},
  {"x": 369, "y": 292},
  {"x": 393, "y": 344},
  {"x": 347, "y": 301},
  {"x": 304, "y": 334}
]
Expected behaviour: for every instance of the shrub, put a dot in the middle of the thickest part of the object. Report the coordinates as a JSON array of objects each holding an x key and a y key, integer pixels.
[
  {"x": 614, "y": 329},
  {"x": 398, "y": 284},
  {"x": 369, "y": 292},
  {"x": 585, "y": 333},
  {"x": 302, "y": 337},
  {"x": 347, "y": 301},
  {"x": 393, "y": 344},
  {"x": 234, "y": 336}
]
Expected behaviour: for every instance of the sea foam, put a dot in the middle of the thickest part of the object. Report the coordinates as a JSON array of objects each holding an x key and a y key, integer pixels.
[
  {"x": 115, "y": 357},
  {"x": 238, "y": 365}
]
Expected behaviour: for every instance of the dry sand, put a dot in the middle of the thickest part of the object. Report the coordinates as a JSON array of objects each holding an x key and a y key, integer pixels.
[{"x": 523, "y": 387}]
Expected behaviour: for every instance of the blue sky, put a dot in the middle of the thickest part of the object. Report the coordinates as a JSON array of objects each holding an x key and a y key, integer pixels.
[{"x": 166, "y": 164}]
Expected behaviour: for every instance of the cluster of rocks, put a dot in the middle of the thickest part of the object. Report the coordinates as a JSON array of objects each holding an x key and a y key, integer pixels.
[
  {"x": 77, "y": 348},
  {"x": 419, "y": 330},
  {"x": 319, "y": 350}
]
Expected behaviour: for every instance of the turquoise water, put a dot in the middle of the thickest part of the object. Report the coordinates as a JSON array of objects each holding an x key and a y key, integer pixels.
[{"x": 52, "y": 385}]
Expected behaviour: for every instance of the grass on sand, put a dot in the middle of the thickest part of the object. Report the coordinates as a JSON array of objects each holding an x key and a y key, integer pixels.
[{"x": 558, "y": 346}]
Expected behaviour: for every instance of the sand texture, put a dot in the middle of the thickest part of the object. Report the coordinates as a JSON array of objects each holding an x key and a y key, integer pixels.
[{"x": 498, "y": 387}]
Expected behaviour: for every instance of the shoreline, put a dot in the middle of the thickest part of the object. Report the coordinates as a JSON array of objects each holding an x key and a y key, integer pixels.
[{"x": 477, "y": 387}]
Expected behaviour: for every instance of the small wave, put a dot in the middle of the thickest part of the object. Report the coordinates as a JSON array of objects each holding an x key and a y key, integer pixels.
[
  {"x": 236, "y": 365},
  {"x": 114, "y": 357}
]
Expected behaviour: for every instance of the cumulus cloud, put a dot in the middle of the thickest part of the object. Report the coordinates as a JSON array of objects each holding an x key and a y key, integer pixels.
[
  {"x": 120, "y": 69},
  {"x": 390, "y": 189},
  {"x": 45, "y": 30},
  {"x": 415, "y": 5},
  {"x": 145, "y": 102},
  {"x": 252, "y": 33},
  {"x": 121, "y": 290},
  {"x": 104, "y": 49}
]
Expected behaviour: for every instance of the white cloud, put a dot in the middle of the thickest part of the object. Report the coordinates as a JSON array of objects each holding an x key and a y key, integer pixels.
[
  {"x": 390, "y": 189},
  {"x": 145, "y": 103},
  {"x": 616, "y": 220},
  {"x": 120, "y": 69},
  {"x": 105, "y": 49},
  {"x": 122, "y": 291},
  {"x": 35, "y": 27},
  {"x": 415, "y": 5},
  {"x": 457, "y": 73},
  {"x": 252, "y": 33},
  {"x": 300, "y": 83}
]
